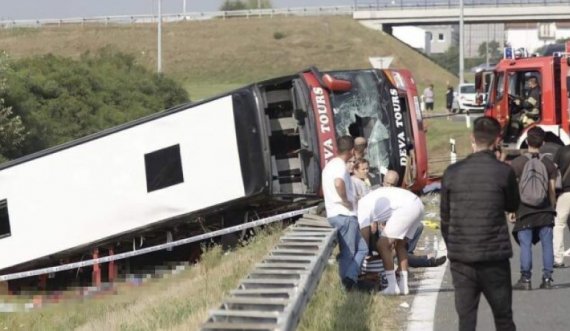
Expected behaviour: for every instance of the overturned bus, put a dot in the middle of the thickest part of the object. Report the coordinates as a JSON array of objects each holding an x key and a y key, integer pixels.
[{"x": 204, "y": 165}]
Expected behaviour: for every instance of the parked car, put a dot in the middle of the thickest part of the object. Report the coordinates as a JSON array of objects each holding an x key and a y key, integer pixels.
[{"x": 464, "y": 99}]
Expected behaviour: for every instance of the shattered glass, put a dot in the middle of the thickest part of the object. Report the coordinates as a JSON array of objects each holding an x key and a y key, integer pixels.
[{"x": 363, "y": 111}]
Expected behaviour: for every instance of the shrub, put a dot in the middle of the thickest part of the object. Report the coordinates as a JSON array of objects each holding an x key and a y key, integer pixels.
[
  {"x": 278, "y": 35},
  {"x": 60, "y": 99}
]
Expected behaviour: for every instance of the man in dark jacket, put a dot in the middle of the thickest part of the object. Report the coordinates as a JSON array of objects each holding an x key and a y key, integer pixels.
[
  {"x": 475, "y": 194},
  {"x": 535, "y": 222},
  {"x": 449, "y": 98}
]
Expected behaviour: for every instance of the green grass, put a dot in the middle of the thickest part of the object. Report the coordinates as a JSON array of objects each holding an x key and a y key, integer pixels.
[
  {"x": 213, "y": 55},
  {"x": 202, "y": 91},
  {"x": 176, "y": 302},
  {"x": 182, "y": 301},
  {"x": 331, "y": 308},
  {"x": 439, "y": 131}
]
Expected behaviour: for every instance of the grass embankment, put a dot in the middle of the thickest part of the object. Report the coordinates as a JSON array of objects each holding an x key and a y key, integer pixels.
[
  {"x": 439, "y": 131},
  {"x": 177, "y": 302},
  {"x": 333, "y": 309},
  {"x": 182, "y": 301},
  {"x": 212, "y": 56}
]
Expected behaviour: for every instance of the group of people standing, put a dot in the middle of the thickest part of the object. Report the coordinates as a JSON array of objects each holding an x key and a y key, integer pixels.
[
  {"x": 384, "y": 218},
  {"x": 479, "y": 196},
  {"x": 428, "y": 98}
]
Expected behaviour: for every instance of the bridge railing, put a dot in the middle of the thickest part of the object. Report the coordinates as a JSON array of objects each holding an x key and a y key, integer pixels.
[
  {"x": 189, "y": 16},
  {"x": 428, "y": 4},
  {"x": 272, "y": 12}
]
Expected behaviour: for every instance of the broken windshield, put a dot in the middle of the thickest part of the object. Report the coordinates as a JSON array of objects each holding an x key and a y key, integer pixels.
[{"x": 364, "y": 112}]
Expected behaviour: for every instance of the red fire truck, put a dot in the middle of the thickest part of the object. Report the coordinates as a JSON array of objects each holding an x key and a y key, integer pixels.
[{"x": 508, "y": 82}]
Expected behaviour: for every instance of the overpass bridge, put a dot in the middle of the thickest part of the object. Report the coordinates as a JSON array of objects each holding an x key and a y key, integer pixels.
[{"x": 389, "y": 13}]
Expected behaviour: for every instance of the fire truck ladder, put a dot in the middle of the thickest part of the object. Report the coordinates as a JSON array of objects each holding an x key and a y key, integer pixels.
[{"x": 274, "y": 295}]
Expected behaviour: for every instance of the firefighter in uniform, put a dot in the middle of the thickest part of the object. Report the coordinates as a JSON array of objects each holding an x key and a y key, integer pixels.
[{"x": 529, "y": 107}]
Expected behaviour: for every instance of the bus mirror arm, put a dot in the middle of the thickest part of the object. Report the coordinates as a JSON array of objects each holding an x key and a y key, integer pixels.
[{"x": 336, "y": 85}]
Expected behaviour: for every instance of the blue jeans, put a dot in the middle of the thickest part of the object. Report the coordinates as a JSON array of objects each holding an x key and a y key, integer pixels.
[
  {"x": 417, "y": 261},
  {"x": 353, "y": 248},
  {"x": 412, "y": 243},
  {"x": 525, "y": 240}
]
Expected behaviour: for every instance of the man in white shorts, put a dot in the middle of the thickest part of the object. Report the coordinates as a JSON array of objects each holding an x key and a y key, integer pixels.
[{"x": 399, "y": 213}]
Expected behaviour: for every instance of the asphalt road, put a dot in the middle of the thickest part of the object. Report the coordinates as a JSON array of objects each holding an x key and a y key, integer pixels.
[{"x": 533, "y": 310}]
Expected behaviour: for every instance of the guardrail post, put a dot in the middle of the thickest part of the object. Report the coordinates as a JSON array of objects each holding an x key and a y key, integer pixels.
[
  {"x": 42, "y": 284},
  {"x": 96, "y": 274},
  {"x": 112, "y": 266},
  {"x": 4, "y": 288},
  {"x": 453, "y": 152}
]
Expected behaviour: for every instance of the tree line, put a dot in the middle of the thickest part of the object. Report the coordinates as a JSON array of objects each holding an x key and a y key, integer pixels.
[
  {"x": 246, "y": 4},
  {"x": 48, "y": 100}
]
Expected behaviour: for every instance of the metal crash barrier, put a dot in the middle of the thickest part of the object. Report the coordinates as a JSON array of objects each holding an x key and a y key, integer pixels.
[
  {"x": 274, "y": 295},
  {"x": 143, "y": 251}
]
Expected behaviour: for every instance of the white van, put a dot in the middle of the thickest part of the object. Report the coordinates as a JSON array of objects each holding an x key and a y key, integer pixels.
[{"x": 464, "y": 99}]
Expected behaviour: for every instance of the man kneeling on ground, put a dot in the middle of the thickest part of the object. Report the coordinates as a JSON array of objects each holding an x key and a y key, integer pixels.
[{"x": 372, "y": 237}]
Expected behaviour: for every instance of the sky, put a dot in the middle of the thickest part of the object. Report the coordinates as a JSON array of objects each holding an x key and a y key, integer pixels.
[{"x": 41, "y": 9}]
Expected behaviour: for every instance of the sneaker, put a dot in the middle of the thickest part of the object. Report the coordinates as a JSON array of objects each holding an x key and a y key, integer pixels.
[
  {"x": 436, "y": 262},
  {"x": 559, "y": 265},
  {"x": 523, "y": 284},
  {"x": 391, "y": 291},
  {"x": 404, "y": 289},
  {"x": 348, "y": 284},
  {"x": 546, "y": 283},
  {"x": 364, "y": 286},
  {"x": 383, "y": 282}
]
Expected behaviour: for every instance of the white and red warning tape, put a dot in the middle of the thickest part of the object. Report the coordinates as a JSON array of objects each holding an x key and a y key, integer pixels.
[{"x": 147, "y": 250}]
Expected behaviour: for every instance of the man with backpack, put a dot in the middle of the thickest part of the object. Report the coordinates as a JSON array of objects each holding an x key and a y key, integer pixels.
[{"x": 536, "y": 175}]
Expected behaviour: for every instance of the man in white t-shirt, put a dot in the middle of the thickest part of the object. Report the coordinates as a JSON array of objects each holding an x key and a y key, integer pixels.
[
  {"x": 428, "y": 97},
  {"x": 339, "y": 203},
  {"x": 399, "y": 213}
]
